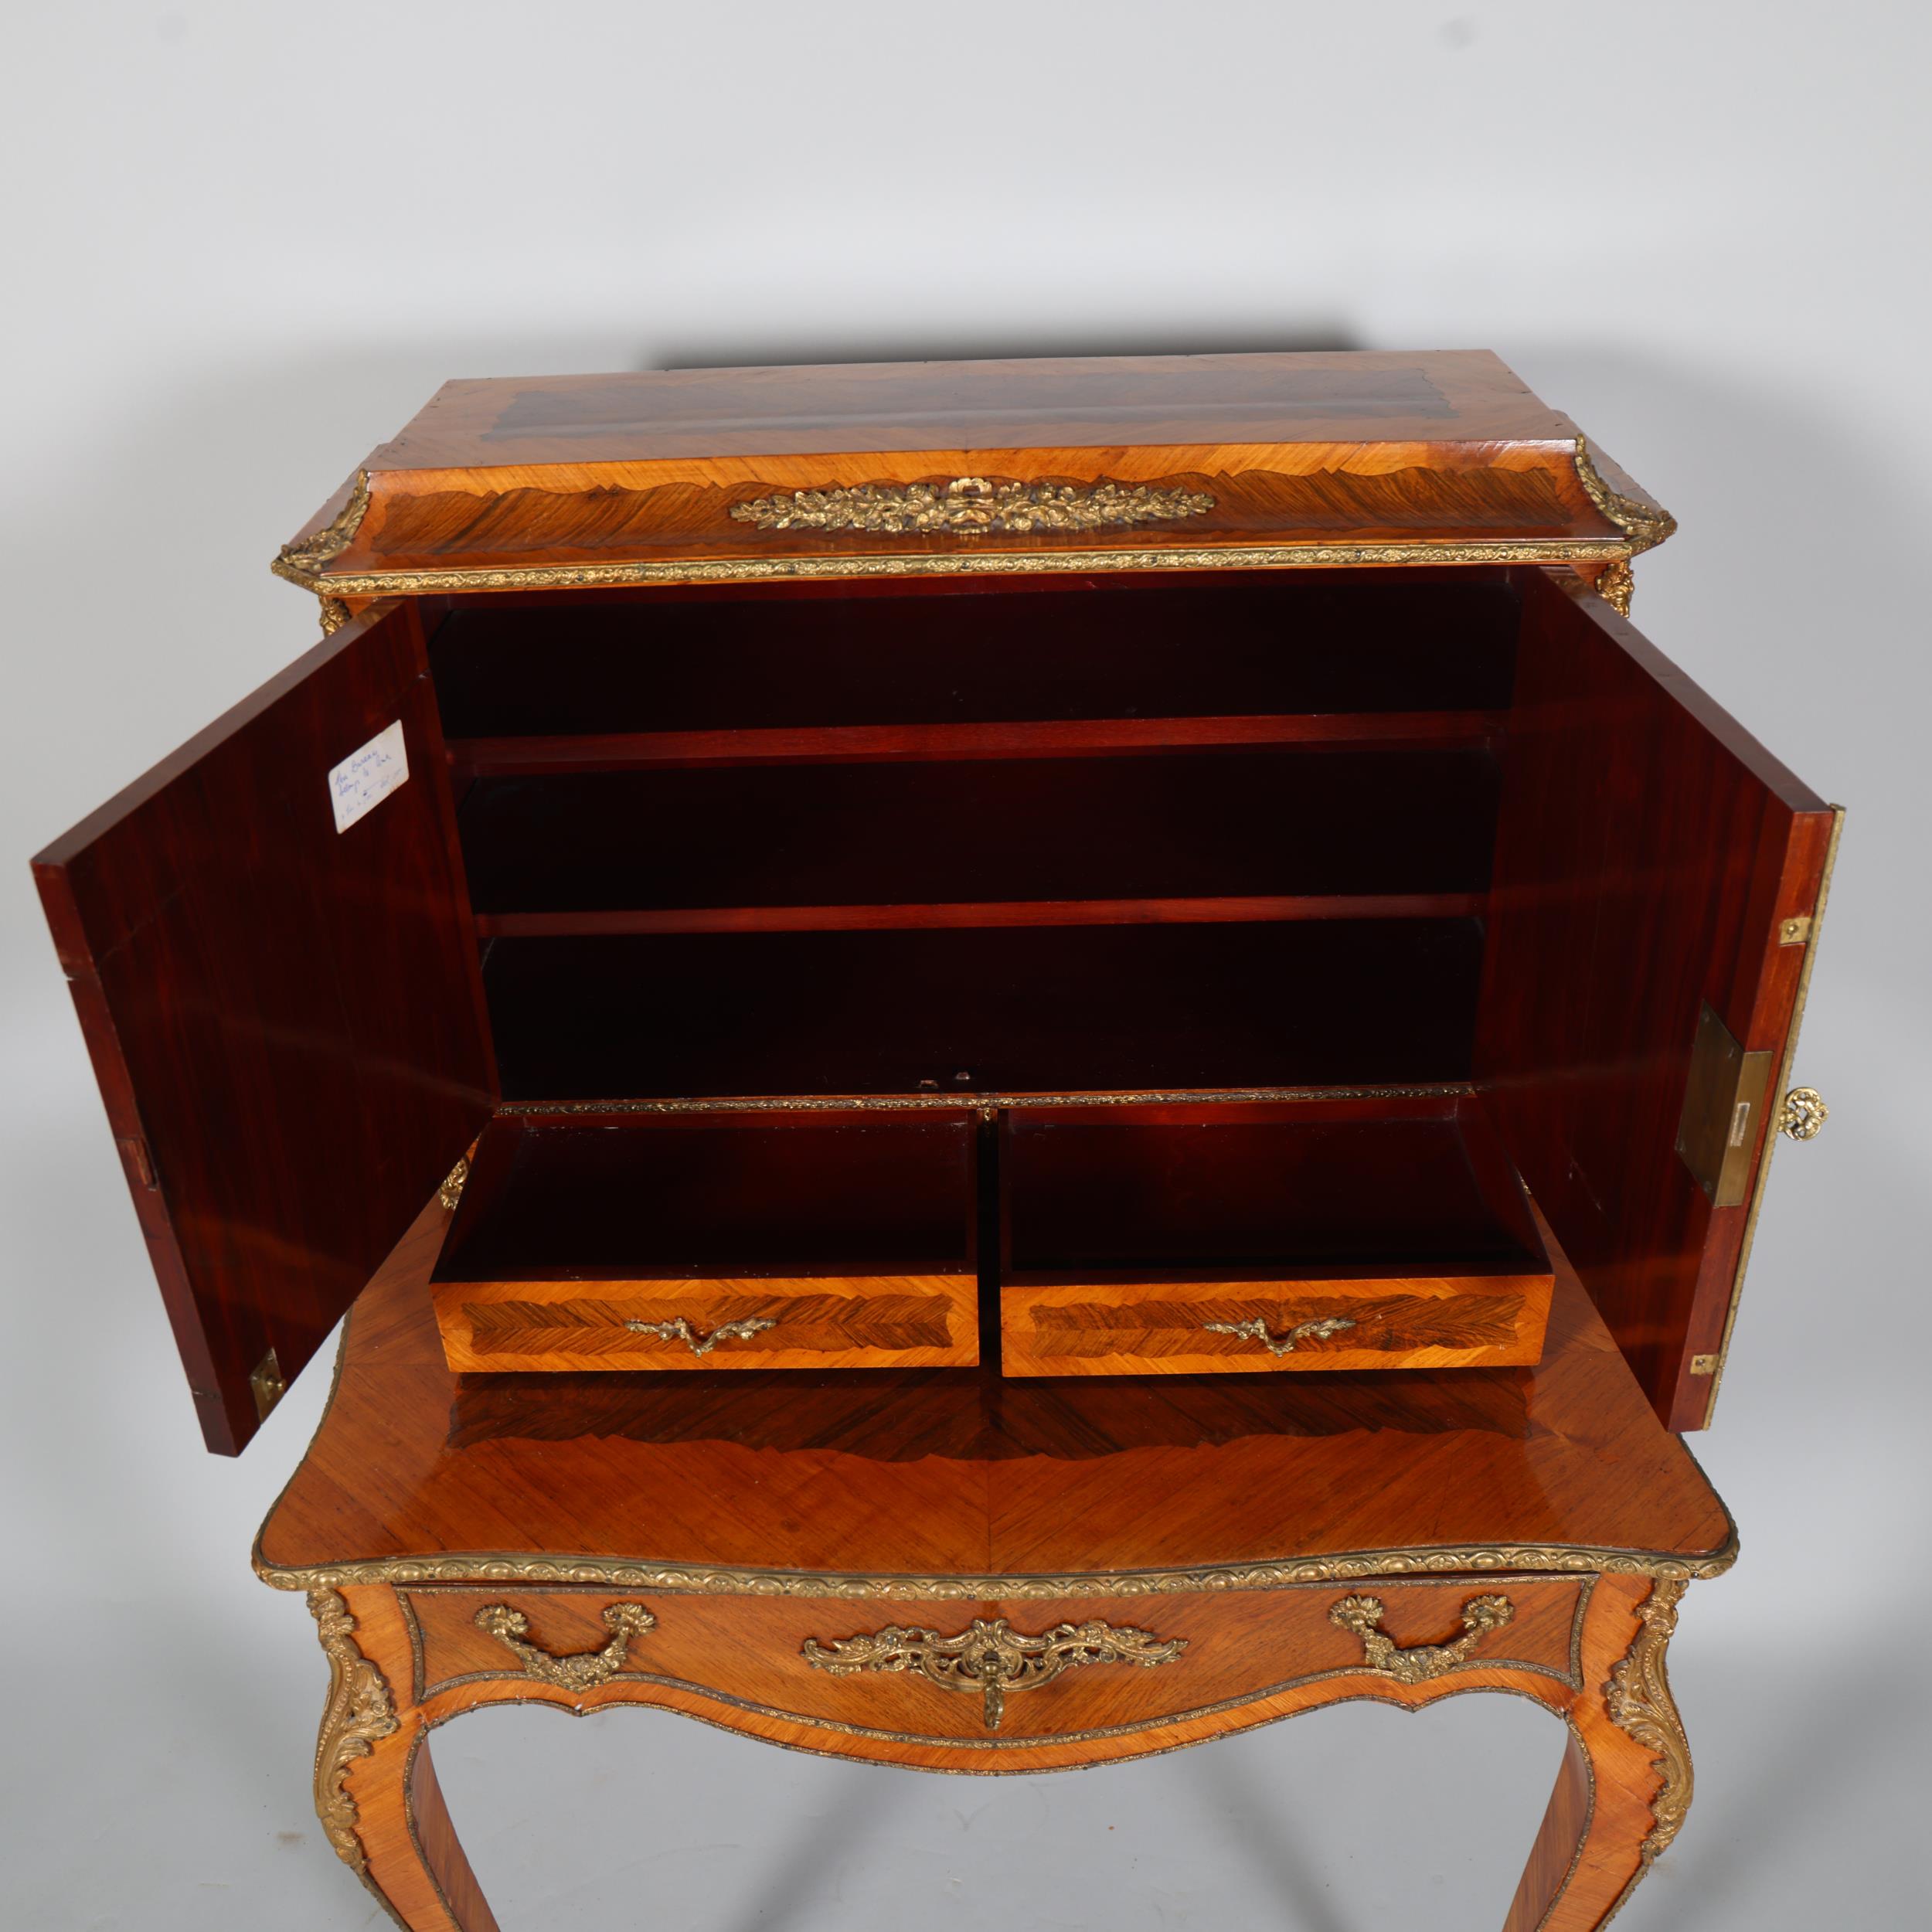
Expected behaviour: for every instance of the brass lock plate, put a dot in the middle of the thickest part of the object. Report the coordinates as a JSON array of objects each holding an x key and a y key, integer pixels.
[{"x": 1723, "y": 1104}]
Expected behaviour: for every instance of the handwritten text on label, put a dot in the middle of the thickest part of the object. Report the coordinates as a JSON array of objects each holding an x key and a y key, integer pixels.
[{"x": 366, "y": 777}]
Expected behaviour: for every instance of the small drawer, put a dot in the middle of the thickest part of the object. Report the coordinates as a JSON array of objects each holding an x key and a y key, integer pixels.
[
  {"x": 1370, "y": 1233},
  {"x": 725, "y": 1240},
  {"x": 1199, "y": 1328},
  {"x": 920, "y": 1320}
]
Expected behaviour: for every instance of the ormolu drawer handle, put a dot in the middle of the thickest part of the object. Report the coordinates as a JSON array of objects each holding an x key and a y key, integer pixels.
[
  {"x": 585, "y": 1670},
  {"x": 1803, "y": 1113},
  {"x": 1363, "y": 1616},
  {"x": 991, "y": 1658},
  {"x": 681, "y": 1330},
  {"x": 1256, "y": 1330}
]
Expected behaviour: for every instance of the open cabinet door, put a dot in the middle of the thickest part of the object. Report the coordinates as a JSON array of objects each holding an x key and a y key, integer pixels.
[
  {"x": 285, "y": 1018},
  {"x": 1658, "y": 880}
]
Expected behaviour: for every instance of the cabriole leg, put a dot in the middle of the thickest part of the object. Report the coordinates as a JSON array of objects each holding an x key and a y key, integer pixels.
[
  {"x": 1625, "y": 1783},
  {"x": 375, "y": 1788}
]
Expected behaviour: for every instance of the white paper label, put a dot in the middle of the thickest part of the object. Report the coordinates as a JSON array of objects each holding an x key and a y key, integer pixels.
[{"x": 365, "y": 778}]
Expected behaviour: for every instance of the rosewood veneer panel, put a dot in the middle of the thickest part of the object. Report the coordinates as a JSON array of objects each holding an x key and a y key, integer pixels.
[
  {"x": 1650, "y": 850},
  {"x": 285, "y": 1019},
  {"x": 1101, "y": 402}
]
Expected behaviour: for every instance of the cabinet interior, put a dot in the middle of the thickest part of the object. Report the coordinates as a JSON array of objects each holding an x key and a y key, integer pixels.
[
  {"x": 984, "y": 815},
  {"x": 1210, "y": 837}
]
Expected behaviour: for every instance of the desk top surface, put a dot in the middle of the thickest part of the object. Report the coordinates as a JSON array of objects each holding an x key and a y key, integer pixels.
[
  {"x": 1095, "y": 402},
  {"x": 728, "y": 475},
  {"x": 872, "y": 1483}
]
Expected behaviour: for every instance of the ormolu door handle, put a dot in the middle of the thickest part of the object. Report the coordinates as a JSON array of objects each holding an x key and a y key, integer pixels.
[
  {"x": 1803, "y": 1113},
  {"x": 1363, "y": 1616}
]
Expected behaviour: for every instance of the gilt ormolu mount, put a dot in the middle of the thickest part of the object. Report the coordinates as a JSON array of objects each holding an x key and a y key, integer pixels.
[{"x": 1093, "y": 909}]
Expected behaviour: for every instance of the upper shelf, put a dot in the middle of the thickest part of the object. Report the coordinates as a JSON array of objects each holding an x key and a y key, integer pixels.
[{"x": 948, "y": 468}]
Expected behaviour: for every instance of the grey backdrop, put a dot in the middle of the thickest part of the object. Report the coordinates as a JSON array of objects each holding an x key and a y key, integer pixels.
[{"x": 245, "y": 241}]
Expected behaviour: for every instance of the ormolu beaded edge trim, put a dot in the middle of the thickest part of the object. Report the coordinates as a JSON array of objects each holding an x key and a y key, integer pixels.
[
  {"x": 587, "y": 576},
  {"x": 966, "y": 1100},
  {"x": 719, "y": 1580}
]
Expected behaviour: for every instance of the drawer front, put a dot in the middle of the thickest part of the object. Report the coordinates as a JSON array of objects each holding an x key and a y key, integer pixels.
[
  {"x": 925, "y": 1320},
  {"x": 1201, "y": 1328},
  {"x": 1056, "y": 1668}
]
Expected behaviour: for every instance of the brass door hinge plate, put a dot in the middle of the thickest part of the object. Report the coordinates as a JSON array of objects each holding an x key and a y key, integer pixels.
[
  {"x": 266, "y": 1385},
  {"x": 1795, "y": 932},
  {"x": 1724, "y": 1103}
]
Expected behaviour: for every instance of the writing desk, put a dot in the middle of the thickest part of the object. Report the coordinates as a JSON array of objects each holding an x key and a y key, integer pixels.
[{"x": 790, "y": 1556}]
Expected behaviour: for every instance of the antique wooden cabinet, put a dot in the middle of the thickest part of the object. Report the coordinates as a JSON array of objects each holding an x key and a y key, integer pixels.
[{"x": 928, "y": 878}]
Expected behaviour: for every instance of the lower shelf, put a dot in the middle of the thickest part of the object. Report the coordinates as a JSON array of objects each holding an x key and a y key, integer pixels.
[{"x": 1002, "y": 1009}]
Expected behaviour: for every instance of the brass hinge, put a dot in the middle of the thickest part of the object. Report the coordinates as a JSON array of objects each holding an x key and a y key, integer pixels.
[
  {"x": 265, "y": 1384},
  {"x": 1795, "y": 932}
]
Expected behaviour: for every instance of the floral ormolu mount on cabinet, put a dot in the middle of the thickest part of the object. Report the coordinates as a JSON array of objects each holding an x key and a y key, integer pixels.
[
  {"x": 969, "y": 504},
  {"x": 862, "y": 914}
]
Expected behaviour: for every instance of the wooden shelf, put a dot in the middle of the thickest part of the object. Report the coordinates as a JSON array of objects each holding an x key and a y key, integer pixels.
[
  {"x": 1270, "y": 644},
  {"x": 1035, "y": 911},
  {"x": 804, "y": 847},
  {"x": 1061, "y": 1009},
  {"x": 550, "y": 754}
]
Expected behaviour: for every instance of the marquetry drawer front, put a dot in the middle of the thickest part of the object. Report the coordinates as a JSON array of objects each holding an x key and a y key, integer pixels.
[
  {"x": 924, "y": 1320},
  {"x": 1207, "y": 1327},
  {"x": 975, "y": 1674}
]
